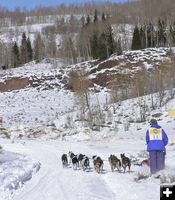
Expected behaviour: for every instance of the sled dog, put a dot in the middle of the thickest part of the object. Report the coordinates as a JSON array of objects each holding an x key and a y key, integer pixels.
[
  {"x": 85, "y": 163},
  {"x": 64, "y": 160},
  {"x": 80, "y": 158},
  {"x": 98, "y": 164},
  {"x": 74, "y": 160},
  {"x": 114, "y": 162},
  {"x": 126, "y": 162}
]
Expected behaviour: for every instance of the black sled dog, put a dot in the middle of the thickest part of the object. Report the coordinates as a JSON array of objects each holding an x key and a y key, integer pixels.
[
  {"x": 74, "y": 160},
  {"x": 64, "y": 160},
  {"x": 126, "y": 162},
  {"x": 85, "y": 163}
]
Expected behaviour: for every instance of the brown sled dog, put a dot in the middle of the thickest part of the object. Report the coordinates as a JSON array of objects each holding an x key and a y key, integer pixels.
[
  {"x": 98, "y": 164},
  {"x": 114, "y": 163}
]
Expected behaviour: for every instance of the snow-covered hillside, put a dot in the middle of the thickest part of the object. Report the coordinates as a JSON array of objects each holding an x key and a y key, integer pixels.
[
  {"x": 36, "y": 94},
  {"x": 40, "y": 102}
]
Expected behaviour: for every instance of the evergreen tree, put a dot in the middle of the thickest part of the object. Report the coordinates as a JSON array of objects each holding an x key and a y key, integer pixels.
[
  {"x": 23, "y": 49},
  {"x": 95, "y": 16},
  {"x": 88, "y": 20},
  {"x": 136, "y": 41},
  {"x": 29, "y": 50},
  {"x": 119, "y": 47},
  {"x": 110, "y": 41},
  {"x": 15, "y": 55},
  {"x": 37, "y": 45},
  {"x": 39, "y": 48},
  {"x": 143, "y": 37},
  {"x": 102, "y": 47},
  {"x": 83, "y": 21},
  {"x": 94, "y": 46},
  {"x": 103, "y": 17},
  {"x": 162, "y": 37},
  {"x": 172, "y": 34}
]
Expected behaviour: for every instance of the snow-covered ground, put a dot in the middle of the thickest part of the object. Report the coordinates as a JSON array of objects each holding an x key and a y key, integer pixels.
[
  {"x": 53, "y": 181},
  {"x": 15, "y": 170},
  {"x": 22, "y": 158}
]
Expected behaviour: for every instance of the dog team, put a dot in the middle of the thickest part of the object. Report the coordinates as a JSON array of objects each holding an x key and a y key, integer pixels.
[{"x": 80, "y": 160}]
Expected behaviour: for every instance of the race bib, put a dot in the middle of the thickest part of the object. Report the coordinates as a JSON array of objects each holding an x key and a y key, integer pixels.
[{"x": 155, "y": 134}]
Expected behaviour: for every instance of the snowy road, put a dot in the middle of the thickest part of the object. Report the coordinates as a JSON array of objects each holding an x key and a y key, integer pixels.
[{"x": 53, "y": 182}]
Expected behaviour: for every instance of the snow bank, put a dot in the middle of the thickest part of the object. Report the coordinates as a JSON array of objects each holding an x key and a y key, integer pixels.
[{"x": 15, "y": 170}]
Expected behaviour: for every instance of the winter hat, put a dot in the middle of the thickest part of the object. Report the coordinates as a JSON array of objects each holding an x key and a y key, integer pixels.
[{"x": 153, "y": 121}]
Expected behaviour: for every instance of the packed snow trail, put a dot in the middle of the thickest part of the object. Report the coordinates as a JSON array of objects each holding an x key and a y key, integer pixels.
[{"x": 53, "y": 182}]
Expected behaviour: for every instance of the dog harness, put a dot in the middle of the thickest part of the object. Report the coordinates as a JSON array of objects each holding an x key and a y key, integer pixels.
[{"x": 155, "y": 133}]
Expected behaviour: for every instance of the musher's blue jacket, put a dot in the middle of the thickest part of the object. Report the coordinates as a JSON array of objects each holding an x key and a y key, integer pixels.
[{"x": 156, "y": 138}]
